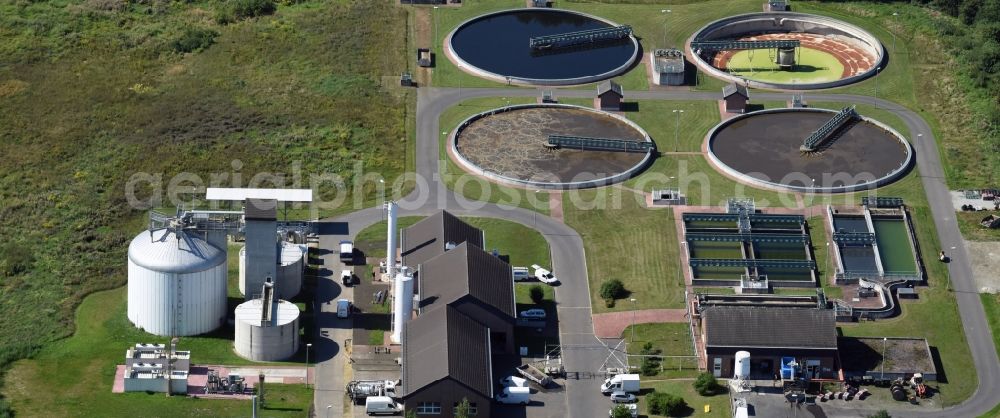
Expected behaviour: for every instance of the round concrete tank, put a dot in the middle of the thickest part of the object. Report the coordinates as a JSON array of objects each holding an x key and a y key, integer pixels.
[
  {"x": 786, "y": 58},
  {"x": 176, "y": 283},
  {"x": 290, "y": 268},
  {"x": 273, "y": 340},
  {"x": 742, "y": 369}
]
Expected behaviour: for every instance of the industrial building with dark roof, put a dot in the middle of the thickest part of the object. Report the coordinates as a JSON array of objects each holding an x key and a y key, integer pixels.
[
  {"x": 428, "y": 238},
  {"x": 476, "y": 283},
  {"x": 737, "y": 98},
  {"x": 447, "y": 357},
  {"x": 768, "y": 334}
]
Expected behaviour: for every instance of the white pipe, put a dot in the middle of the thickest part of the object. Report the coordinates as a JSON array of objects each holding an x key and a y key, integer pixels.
[
  {"x": 402, "y": 303},
  {"x": 390, "y": 242}
]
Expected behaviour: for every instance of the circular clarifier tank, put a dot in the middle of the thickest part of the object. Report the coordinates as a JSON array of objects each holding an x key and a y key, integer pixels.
[
  {"x": 763, "y": 148},
  {"x": 496, "y": 46},
  {"x": 509, "y": 145}
]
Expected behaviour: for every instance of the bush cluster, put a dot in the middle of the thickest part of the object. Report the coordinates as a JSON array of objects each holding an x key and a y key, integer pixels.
[
  {"x": 706, "y": 385},
  {"x": 666, "y": 404},
  {"x": 611, "y": 290},
  {"x": 194, "y": 40},
  {"x": 234, "y": 10}
]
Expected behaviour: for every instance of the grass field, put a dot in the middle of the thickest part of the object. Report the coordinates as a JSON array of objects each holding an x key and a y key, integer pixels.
[
  {"x": 672, "y": 339},
  {"x": 93, "y": 92},
  {"x": 973, "y": 230},
  {"x": 524, "y": 246},
  {"x": 812, "y": 66},
  {"x": 991, "y": 304},
  {"x": 73, "y": 377}
]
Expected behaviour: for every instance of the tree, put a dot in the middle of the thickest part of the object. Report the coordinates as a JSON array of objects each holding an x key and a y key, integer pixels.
[
  {"x": 536, "y": 293},
  {"x": 620, "y": 411},
  {"x": 706, "y": 385},
  {"x": 612, "y": 289},
  {"x": 650, "y": 365},
  {"x": 880, "y": 414},
  {"x": 666, "y": 404},
  {"x": 462, "y": 410}
]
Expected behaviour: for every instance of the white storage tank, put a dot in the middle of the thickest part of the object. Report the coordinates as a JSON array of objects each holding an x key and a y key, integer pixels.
[
  {"x": 289, "y": 269},
  {"x": 262, "y": 340},
  {"x": 290, "y": 266},
  {"x": 176, "y": 283},
  {"x": 742, "y": 369}
]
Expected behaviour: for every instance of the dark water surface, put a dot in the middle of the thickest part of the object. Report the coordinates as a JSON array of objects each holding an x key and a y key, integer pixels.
[{"x": 499, "y": 44}]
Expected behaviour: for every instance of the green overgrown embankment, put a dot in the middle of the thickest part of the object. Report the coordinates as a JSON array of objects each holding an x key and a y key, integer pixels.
[{"x": 93, "y": 92}]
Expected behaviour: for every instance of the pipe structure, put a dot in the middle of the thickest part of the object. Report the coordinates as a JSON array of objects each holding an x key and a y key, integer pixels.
[
  {"x": 390, "y": 242},
  {"x": 402, "y": 303}
]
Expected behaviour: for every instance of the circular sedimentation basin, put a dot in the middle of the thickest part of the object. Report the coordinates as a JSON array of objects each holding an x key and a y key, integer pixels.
[
  {"x": 833, "y": 53},
  {"x": 508, "y": 145},
  {"x": 496, "y": 46},
  {"x": 763, "y": 149}
]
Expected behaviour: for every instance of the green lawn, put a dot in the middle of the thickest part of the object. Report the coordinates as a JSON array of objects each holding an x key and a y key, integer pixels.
[
  {"x": 811, "y": 66},
  {"x": 969, "y": 223},
  {"x": 718, "y": 404},
  {"x": 522, "y": 295},
  {"x": 524, "y": 246},
  {"x": 991, "y": 304},
  {"x": 660, "y": 121},
  {"x": 476, "y": 188},
  {"x": 672, "y": 339},
  {"x": 73, "y": 377},
  {"x": 625, "y": 241}
]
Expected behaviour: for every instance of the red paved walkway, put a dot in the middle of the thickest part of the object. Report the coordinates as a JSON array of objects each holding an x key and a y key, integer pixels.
[{"x": 611, "y": 325}]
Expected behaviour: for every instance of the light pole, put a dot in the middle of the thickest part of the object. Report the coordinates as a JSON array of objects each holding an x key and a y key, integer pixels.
[
  {"x": 665, "y": 14},
  {"x": 894, "y": 24},
  {"x": 308, "y": 346},
  {"x": 827, "y": 272},
  {"x": 877, "y": 70},
  {"x": 632, "y": 339},
  {"x": 328, "y": 408},
  {"x": 882, "y": 376},
  {"x": 677, "y": 129}
]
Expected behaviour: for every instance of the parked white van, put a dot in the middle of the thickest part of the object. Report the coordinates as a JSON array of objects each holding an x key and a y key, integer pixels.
[{"x": 381, "y": 405}]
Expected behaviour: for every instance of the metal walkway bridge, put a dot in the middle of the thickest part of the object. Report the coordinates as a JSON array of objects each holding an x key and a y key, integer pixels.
[
  {"x": 776, "y": 238},
  {"x": 732, "y": 217},
  {"x": 854, "y": 238},
  {"x": 830, "y": 130},
  {"x": 598, "y": 144},
  {"x": 755, "y": 263},
  {"x": 882, "y": 202},
  {"x": 729, "y": 45},
  {"x": 582, "y": 37}
]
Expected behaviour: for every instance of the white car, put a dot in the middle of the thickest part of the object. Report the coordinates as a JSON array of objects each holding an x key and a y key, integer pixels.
[
  {"x": 544, "y": 275},
  {"x": 347, "y": 277},
  {"x": 536, "y": 313},
  {"x": 622, "y": 397},
  {"x": 514, "y": 381}
]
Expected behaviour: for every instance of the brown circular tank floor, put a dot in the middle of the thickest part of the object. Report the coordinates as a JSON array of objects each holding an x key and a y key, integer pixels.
[
  {"x": 766, "y": 147},
  {"x": 512, "y": 143}
]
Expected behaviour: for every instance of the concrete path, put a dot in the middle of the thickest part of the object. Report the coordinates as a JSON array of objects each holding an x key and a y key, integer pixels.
[
  {"x": 612, "y": 324},
  {"x": 583, "y": 351}
]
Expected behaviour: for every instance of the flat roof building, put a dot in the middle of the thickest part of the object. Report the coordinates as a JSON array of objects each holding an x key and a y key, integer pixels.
[
  {"x": 668, "y": 67},
  {"x": 150, "y": 367},
  {"x": 770, "y": 334}
]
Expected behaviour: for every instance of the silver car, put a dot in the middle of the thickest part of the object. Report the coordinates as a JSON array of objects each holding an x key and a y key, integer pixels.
[{"x": 622, "y": 397}]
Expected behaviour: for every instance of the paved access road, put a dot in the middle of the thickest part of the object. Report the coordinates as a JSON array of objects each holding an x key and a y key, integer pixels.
[{"x": 583, "y": 351}]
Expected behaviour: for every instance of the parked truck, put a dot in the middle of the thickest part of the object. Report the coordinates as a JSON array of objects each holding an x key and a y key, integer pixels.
[
  {"x": 359, "y": 390},
  {"x": 346, "y": 252},
  {"x": 533, "y": 374},
  {"x": 515, "y": 395},
  {"x": 424, "y": 58},
  {"x": 628, "y": 383}
]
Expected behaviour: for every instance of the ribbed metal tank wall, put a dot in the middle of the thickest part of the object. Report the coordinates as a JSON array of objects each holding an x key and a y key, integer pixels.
[
  {"x": 175, "y": 286},
  {"x": 266, "y": 343}
]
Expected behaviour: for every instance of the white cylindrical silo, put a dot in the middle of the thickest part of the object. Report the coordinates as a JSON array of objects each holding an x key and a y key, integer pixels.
[
  {"x": 176, "y": 283},
  {"x": 742, "y": 369},
  {"x": 290, "y": 267},
  {"x": 243, "y": 270},
  {"x": 390, "y": 242},
  {"x": 402, "y": 304},
  {"x": 266, "y": 341}
]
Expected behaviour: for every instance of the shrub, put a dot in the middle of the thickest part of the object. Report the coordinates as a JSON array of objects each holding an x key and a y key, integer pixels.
[
  {"x": 536, "y": 293},
  {"x": 620, "y": 411},
  {"x": 612, "y": 289},
  {"x": 880, "y": 414},
  {"x": 15, "y": 259},
  {"x": 650, "y": 366},
  {"x": 194, "y": 40},
  {"x": 234, "y": 10},
  {"x": 706, "y": 385},
  {"x": 666, "y": 404}
]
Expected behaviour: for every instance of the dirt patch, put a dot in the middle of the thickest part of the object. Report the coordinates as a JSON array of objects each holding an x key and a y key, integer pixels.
[
  {"x": 854, "y": 60},
  {"x": 984, "y": 257}
]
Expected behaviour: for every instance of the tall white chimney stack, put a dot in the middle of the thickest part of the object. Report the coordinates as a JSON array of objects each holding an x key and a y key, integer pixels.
[{"x": 390, "y": 242}]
